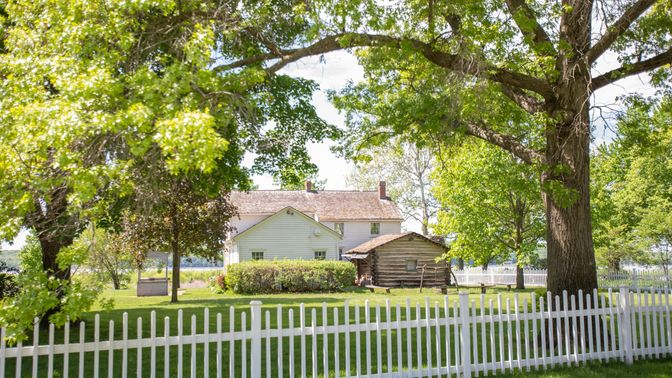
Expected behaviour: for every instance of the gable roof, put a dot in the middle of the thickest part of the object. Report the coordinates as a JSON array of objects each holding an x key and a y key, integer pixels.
[
  {"x": 327, "y": 204},
  {"x": 372, "y": 244},
  {"x": 283, "y": 211}
]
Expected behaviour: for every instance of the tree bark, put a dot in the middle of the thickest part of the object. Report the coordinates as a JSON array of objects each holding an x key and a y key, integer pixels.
[{"x": 520, "y": 278}]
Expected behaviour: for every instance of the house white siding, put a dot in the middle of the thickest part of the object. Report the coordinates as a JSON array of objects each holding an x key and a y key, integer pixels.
[
  {"x": 358, "y": 232},
  {"x": 286, "y": 235}
]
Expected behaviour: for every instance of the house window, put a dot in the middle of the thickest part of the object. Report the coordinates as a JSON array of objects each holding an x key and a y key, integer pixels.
[
  {"x": 411, "y": 265},
  {"x": 375, "y": 228},
  {"x": 257, "y": 255},
  {"x": 340, "y": 253},
  {"x": 340, "y": 228},
  {"x": 320, "y": 255}
]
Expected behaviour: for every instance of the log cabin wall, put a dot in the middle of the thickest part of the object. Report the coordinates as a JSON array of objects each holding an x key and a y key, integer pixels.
[{"x": 390, "y": 263}]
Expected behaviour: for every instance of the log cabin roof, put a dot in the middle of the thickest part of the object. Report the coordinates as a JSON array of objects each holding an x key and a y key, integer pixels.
[
  {"x": 326, "y": 204},
  {"x": 372, "y": 244}
]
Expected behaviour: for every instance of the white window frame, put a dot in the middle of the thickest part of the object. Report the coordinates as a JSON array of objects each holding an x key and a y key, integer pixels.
[
  {"x": 371, "y": 227},
  {"x": 252, "y": 252},
  {"x": 340, "y": 228},
  {"x": 316, "y": 251}
]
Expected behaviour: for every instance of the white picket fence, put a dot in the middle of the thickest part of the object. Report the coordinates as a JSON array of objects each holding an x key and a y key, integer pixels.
[
  {"x": 634, "y": 279},
  {"x": 471, "y": 276},
  {"x": 461, "y": 336}
]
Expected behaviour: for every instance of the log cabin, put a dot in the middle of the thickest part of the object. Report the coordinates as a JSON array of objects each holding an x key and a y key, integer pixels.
[{"x": 400, "y": 260}]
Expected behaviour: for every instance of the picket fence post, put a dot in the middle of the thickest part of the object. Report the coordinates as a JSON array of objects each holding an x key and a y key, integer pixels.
[
  {"x": 625, "y": 326},
  {"x": 465, "y": 335},
  {"x": 255, "y": 361}
]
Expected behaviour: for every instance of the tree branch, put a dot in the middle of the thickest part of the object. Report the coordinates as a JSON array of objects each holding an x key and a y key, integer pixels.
[
  {"x": 618, "y": 28},
  {"x": 465, "y": 64},
  {"x": 507, "y": 142},
  {"x": 522, "y": 99},
  {"x": 631, "y": 69},
  {"x": 536, "y": 33}
]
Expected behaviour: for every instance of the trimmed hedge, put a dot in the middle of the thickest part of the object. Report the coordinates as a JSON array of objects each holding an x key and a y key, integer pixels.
[{"x": 294, "y": 276}]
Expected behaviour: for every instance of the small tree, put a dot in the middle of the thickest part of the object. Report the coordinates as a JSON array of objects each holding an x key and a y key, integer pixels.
[
  {"x": 108, "y": 255},
  {"x": 491, "y": 203},
  {"x": 180, "y": 213}
]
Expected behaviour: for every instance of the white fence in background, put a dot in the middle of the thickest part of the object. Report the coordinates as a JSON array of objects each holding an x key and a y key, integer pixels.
[
  {"x": 464, "y": 336},
  {"x": 499, "y": 276},
  {"x": 537, "y": 278}
]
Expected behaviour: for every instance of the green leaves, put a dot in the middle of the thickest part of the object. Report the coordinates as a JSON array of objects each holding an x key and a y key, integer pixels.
[{"x": 189, "y": 141}]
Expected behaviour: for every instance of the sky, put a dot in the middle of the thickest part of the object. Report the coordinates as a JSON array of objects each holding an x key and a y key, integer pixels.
[{"x": 335, "y": 69}]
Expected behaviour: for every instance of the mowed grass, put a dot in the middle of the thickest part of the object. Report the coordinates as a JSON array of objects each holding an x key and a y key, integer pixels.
[{"x": 193, "y": 301}]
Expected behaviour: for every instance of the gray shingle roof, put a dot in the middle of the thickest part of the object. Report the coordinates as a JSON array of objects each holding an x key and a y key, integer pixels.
[
  {"x": 327, "y": 204},
  {"x": 372, "y": 244}
]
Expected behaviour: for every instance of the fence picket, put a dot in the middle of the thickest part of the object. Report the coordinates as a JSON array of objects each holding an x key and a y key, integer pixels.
[
  {"x": 474, "y": 340},
  {"x": 526, "y": 329},
  {"x": 192, "y": 359},
  {"x": 379, "y": 347},
  {"x": 446, "y": 324},
  {"x": 267, "y": 338},
  {"x": 388, "y": 335},
  {"x": 290, "y": 319},
  {"x": 418, "y": 338},
  {"x": 400, "y": 352},
  {"x": 484, "y": 345},
  {"x": 367, "y": 328},
  {"x": 180, "y": 330},
  {"x": 313, "y": 341},
  {"x": 589, "y": 319},
  {"x": 409, "y": 353},
  {"x": 232, "y": 342},
  {"x": 36, "y": 342},
  {"x": 302, "y": 324},
  {"x": 138, "y": 361},
  {"x": 325, "y": 341},
  {"x": 437, "y": 334},
  {"x": 346, "y": 310},
  {"x": 575, "y": 335},
  {"x": 358, "y": 344},
  {"x": 166, "y": 348},
  {"x": 50, "y": 358},
  {"x": 152, "y": 350},
  {"x": 278, "y": 321},
  {"x": 110, "y": 352},
  {"x": 337, "y": 337},
  {"x": 206, "y": 344},
  {"x": 428, "y": 338},
  {"x": 82, "y": 332},
  {"x": 243, "y": 344},
  {"x": 491, "y": 323},
  {"x": 220, "y": 338},
  {"x": 66, "y": 344}
]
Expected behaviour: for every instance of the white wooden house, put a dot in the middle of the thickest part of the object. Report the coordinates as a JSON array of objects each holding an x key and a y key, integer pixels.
[{"x": 307, "y": 224}]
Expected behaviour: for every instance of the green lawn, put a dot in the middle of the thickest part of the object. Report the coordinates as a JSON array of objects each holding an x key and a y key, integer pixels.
[{"x": 193, "y": 301}]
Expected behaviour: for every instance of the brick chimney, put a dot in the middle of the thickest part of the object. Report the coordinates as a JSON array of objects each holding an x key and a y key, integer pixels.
[
  {"x": 382, "y": 192},
  {"x": 309, "y": 186}
]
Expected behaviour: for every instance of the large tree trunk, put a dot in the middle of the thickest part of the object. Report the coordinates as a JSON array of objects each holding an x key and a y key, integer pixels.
[{"x": 571, "y": 258}]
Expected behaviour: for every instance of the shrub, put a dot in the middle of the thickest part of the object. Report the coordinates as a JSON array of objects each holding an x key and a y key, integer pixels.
[{"x": 295, "y": 276}]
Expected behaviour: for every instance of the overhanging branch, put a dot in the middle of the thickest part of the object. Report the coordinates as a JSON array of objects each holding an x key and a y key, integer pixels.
[
  {"x": 535, "y": 32},
  {"x": 507, "y": 142},
  {"x": 631, "y": 69},
  {"x": 618, "y": 28},
  {"x": 455, "y": 62}
]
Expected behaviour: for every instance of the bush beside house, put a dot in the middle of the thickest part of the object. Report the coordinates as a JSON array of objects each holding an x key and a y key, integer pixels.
[{"x": 295, "y": 276}]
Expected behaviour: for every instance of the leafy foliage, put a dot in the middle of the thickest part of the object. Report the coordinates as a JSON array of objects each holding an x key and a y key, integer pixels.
[
  {"x": 631, "y": 187},
  {"x": 295, "y": 276},
  {"x": 490, "y": 204},
  {"x": 42, "y": 294}
]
